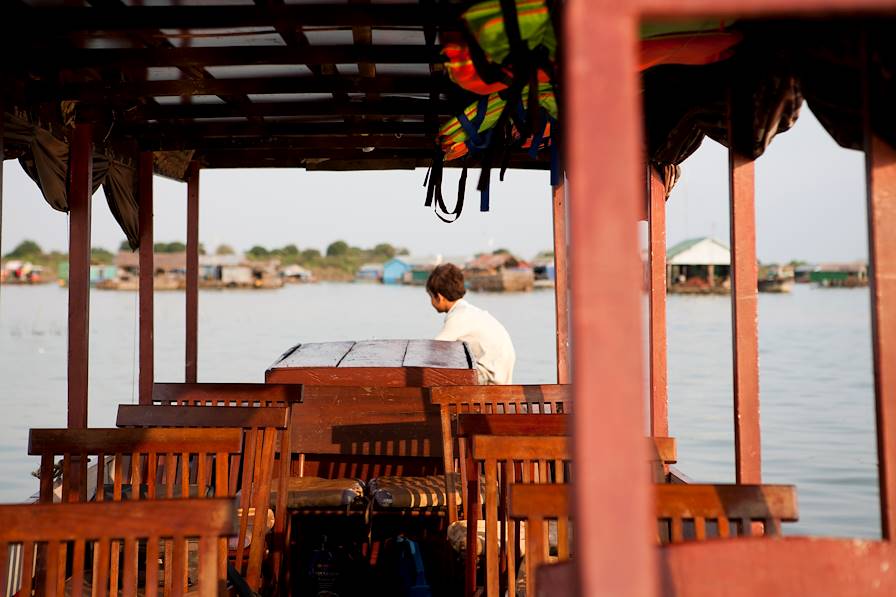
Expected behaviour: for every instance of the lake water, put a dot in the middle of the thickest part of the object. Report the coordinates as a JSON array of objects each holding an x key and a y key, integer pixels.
[{"x": 815, "y": 358}]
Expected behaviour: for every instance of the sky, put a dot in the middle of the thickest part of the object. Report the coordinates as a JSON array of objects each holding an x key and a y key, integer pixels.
[{"x": 810, "y": 205}]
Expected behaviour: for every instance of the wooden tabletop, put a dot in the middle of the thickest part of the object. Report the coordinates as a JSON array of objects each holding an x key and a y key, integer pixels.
[{"x": 376, "y": 363}]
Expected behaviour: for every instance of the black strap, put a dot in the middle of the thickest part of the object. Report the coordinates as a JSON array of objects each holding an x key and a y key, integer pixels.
[{"x": 434, "y": 196}]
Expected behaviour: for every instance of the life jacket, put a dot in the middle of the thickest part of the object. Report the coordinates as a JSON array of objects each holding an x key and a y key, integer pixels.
[{"x": 506, "y": 54}]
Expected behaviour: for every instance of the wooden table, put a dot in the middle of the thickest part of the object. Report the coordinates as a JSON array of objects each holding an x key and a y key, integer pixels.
[{"x": 394, "y": 363}]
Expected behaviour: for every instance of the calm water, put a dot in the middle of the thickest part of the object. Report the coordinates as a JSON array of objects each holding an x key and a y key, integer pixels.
[{"x": 817, "y": 394}]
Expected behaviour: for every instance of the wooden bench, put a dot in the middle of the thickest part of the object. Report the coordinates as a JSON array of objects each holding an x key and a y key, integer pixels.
[
  {"x": 534, "y": 504},
  {"x": 135, "y": 464},
  {"x": 723, "y": 505},
  {"x": 264, "y": 431},
  {"x": 63, "y": 531}
]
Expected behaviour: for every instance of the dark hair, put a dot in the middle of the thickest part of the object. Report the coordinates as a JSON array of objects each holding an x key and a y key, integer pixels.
[{"x": 447, "y": 280}]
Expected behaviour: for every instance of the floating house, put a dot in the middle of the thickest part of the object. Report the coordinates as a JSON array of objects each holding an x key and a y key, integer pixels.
[
  {"x": 840, "y": 275},
  {"x": 296, "y": 274},
  {"x": 499, "y": 272},
  {"x": 774, "y": 277},
  {"x": 420, "y": 268},
  {"x": 17, "y": 271},
  {"x": 395, "y": 269},
  {"x": 99, "y": 273},
  {"x": 544, "y": 271},
  {"x": 215, "y": 271},
  {"x": 369, "y": 272},
  {"x": 698, "y": 266}
]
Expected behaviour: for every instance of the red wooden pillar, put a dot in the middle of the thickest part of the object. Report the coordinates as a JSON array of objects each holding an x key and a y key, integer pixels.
[
  {"x": 192, "y": 319},
  {"x": 615, "y": 529},
  {"x": 561, "y": 282},
  {"x": 880, "y": 165},
  {"x": 744, "y": 318},
  {"x": 80, "y": 191},
  {"x": 656, "y": 224},
  {"x": 147, "y": 275},
  {"x": 2, "y": 156}
]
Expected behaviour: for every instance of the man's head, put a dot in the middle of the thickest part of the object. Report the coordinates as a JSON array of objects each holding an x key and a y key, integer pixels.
[{"x": 445, "y": 286}]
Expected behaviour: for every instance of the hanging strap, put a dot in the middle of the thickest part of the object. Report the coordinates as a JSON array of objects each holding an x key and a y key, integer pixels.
[
  {"x": 433, "y": 184},
  {"x": 476, "y": 141}
]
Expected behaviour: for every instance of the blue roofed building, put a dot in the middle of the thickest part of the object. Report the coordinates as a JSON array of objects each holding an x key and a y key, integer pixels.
[{"x": 395, "y": 269}]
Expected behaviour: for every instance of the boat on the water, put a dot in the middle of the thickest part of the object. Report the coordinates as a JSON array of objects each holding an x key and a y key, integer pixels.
[{"x": 379, "y": 466}]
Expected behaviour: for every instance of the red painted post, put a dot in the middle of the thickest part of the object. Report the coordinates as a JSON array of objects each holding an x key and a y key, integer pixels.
[
  {"x": 561, "y": 282},
  {"x": 147, "y": 271},
  {"x": 2, "y": 156},
  {"x": 744, "y": 318},
  {"x": 192, "y": 319},
  {"x": 80, "y": 191},
  {"x": 615, "y": 529},
  {"x": 880, "y": 166},
  {"x": 656, "y": 224}
]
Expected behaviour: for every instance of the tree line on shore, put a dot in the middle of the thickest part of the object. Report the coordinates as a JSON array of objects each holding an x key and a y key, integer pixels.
[{"x": 339, "y": 260}]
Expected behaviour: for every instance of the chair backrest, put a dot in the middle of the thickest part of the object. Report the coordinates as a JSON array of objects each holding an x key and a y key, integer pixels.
[
  {"x": 365, "y": 432},
  {"x": 512, "y": 399},
  {"x": 165, "y": 461},
  {"x": 60, "y": 532},
  {"x": 226, "y": 394},
  {"x": 491, "y": 399},
  {"x": 509, "y": 459},
  {"x": 535, "y": 504},
  {"x": 722, "y": 505},
  {"x": 264, "y": 432},
  {"x": 137, "y": 464}
]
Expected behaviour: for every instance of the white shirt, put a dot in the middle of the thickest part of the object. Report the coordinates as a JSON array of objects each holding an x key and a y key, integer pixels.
[{"x": 488, "y": 341}]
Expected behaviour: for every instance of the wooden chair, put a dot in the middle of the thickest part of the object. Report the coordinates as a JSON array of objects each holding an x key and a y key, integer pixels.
[
  {"x": 535, "y": 504},
  {"x": 506, "y": 460},
  {"x": 264, "y": 432},
  {"x": 722, "y": 505},
  {"x": 63, "y": 531},
  {"x": 512, "y": 399},
  {"x": 135, "y": 464},
  {"x": 225, "y": 394}
]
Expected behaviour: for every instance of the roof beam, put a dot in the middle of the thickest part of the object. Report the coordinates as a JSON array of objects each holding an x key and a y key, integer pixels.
[
  {"x": 341, "y": 159},
  {"x": 51, "y": 58},
  {"x": 103, "y": 92},
  {"x": 64, "y": 19}
]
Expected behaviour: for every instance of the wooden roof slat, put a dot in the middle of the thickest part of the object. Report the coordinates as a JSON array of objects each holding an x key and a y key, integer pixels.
[
  {"x": 378, "y": 141},
  {"x": 23, "y": 22},
  {"x": 270, "y": 129},
  {"x": 292, "y": 35},
  {"x": 153, "y": 39},
  {"x": 51, "y": 58},
  {"x": 390, "y": 106},
  {"x": 344, "y": 159},
  {"x": 101, "y": 91}
]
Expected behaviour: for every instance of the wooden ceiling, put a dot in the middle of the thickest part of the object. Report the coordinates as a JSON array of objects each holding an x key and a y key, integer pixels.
[{"x": 243, "y": 83}]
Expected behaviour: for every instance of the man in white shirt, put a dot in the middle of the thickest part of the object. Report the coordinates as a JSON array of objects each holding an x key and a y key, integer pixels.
[{"x": 488, "y": 340}]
